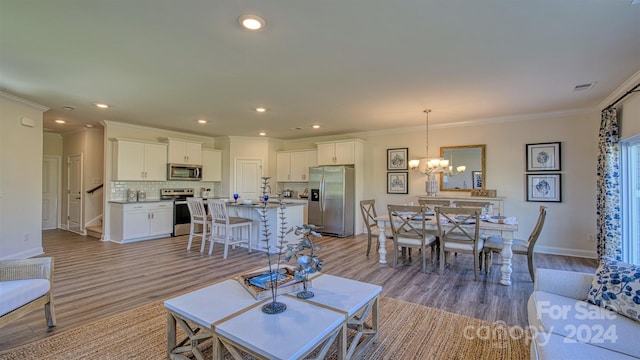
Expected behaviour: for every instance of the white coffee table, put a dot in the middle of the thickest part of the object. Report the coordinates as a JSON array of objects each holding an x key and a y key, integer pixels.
[{"x": 227, "y": 313}]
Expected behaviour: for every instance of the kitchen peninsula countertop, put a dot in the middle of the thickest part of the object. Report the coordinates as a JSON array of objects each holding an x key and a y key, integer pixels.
[
  {"x": 138, "y": 202},
  {"x": 270, "y": 204}
]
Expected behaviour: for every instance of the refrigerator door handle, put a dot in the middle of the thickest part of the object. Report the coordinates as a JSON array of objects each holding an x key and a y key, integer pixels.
[{"x": 322, "y": 193}]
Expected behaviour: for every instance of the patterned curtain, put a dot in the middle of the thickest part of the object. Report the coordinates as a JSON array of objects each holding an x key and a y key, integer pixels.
[{"x": 609, "y": 242}]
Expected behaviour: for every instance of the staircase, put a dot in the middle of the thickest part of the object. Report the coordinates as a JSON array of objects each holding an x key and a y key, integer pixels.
[{"x": 94, "y": 231}]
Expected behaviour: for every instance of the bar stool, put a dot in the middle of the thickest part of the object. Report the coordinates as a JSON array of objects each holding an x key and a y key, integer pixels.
[
  {"x": 198, "y": 216},
  {"x": 223, "y": 226}
]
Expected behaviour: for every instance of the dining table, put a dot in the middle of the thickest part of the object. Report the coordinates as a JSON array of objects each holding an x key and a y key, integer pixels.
[{"x": 487, "y": 228}]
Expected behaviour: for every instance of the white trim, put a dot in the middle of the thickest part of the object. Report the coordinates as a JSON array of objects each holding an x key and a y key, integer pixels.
[
  {"x": 24, "y": 101},
  {"x": 566, "y": 252},
  {"x": 626, "y": 86},
  {"x": 26, "y": 254}
]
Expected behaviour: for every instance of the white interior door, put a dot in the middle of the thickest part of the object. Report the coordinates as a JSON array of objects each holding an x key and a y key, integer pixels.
[
  {"x": 248, "y": 178},
  {"x": 74, "y": 194},
  {"x": 50, "y": 176}
]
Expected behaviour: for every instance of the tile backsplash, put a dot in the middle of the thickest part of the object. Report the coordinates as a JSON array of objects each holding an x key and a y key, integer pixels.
[{"x": 152, "y": 188}]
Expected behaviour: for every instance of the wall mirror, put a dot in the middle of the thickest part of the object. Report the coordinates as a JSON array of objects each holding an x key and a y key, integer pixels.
[{"x": 472, "y": 157}]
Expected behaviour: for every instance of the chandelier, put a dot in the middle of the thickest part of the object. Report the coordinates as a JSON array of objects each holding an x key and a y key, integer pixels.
[{"x": 433, "y": 166}]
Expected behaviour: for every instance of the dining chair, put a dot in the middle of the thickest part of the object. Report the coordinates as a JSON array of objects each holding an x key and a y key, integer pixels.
[
  {"x": 430, "y": 204},
  {"x": 459, "y": 230},
  {"x": 520, "y": 247},
  {"x": 472, "y": 204},
  {"x": 198, "y": 217},
  {"x": 408, "y": 225},
  {"x": 368, "y": 209},
  {"x": 224, "y": 228}
]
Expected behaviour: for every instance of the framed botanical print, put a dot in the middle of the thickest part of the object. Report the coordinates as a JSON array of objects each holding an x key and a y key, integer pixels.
[
  {"x": 543, "y": 157},
  {"x": 397, "y": 183},
  {"x": 544, "y": 187},
  {"x": 397, "y": 159}
]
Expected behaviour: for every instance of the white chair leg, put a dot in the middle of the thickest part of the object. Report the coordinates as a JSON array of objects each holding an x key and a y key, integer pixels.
[
  {"x": 190, "y": 236},
  {"x": 249, "y": 237},
  {"x": 203, "y": 237}
]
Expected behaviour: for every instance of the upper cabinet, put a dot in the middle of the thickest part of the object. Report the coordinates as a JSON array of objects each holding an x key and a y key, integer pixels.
[
  {"x": 211, "y": 165},
  {"x": 339, "y": 152},
  {"x": 293, "y": 166},
  {"x": 184, "y": 152},
  {"x": 139, "y": 161}
]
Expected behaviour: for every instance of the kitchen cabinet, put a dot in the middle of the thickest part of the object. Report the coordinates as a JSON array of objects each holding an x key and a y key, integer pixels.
[
  {"x": 293, "y": 166},
  {"x": 141, "y": 221},
  {"x": 339, "y": 152},
  {"x": 211, "y": 165},
  {"x": 184, "y": 152},
  {"x": 139, "y": 161}
]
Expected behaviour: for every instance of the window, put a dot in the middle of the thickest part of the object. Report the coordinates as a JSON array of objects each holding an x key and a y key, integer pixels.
[{"x": 630, "y": 181}]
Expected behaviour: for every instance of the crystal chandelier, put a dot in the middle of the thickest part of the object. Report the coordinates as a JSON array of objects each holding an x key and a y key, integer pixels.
[{"x": 433, "y": 166}]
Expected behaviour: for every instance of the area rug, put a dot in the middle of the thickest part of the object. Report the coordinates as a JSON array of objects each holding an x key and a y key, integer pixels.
[{"x": 407, "y": 331}]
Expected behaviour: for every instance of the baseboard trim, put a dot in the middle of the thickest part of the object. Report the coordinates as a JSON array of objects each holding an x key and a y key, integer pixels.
[
  {"x": 25, "y": 254},
  {"x": 566, "y": 252}
]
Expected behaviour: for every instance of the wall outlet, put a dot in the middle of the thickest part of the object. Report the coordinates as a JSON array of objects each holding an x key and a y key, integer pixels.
[
  {"x": 27, "y": 236},
  {"x": 591, "y": 237}
]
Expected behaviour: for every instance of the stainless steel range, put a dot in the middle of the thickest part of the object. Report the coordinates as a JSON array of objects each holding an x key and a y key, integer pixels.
[{"x": 181, "y": 215}]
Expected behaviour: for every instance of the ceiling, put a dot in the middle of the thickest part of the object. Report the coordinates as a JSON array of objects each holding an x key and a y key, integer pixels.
[{"x": 346, "y": 65}]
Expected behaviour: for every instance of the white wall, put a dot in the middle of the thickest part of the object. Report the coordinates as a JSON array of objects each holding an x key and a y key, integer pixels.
[
  {"x": 568, "y": 222},
  {"x": 20, "y": 178}
]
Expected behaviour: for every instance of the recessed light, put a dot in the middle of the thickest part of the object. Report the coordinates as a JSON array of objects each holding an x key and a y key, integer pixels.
[
  {"x": 202, "y": 121},
  {"x": 89, "y": 126},
  {"x": 251, "y": 22},
  {"x": 316, "y": 126},
  {"x": 102, "y": 106},
  {"x": 261, "y": 109},
  {"x": 60, "y": 121},
  {"x": 262, "y": 134}
]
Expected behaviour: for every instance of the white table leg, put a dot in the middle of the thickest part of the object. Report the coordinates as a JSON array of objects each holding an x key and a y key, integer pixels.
[
  {"x": 506, "y": 254},
  {"x": 382, "y": 238}
]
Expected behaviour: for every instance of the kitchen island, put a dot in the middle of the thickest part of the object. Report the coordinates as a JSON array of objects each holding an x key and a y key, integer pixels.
[{"x": 293, "y": 216}]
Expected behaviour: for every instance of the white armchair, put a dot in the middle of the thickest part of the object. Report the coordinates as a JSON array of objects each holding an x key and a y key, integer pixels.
[{"x": 24, "y": 286}]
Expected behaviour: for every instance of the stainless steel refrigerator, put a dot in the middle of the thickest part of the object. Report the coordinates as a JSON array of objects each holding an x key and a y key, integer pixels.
[{"x": 332, "y": 199}]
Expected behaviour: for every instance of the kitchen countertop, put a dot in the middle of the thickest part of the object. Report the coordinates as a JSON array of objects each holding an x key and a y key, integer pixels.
[
  {"x": 270, "y": 204},
  {"x": 138, "y": 202}
]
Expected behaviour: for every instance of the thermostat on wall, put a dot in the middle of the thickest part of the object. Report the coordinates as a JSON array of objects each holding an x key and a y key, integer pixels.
[{"x": 27, "y": 122}]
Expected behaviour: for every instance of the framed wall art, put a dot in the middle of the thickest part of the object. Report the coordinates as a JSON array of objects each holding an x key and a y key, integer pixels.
[
  {"x": 544, "y": 187},
  {"x": 476, "y": 176},
  {"x": 543, "y": 157},
  {"x": 397, "y": 159},
  {"x": 397, "y": 183}
]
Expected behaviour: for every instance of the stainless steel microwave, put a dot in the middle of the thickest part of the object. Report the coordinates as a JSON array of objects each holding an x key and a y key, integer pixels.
[{"x": 184, "y": 172}]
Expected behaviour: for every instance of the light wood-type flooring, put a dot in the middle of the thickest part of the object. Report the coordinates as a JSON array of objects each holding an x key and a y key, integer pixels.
[{"x": 95, "y": 279}]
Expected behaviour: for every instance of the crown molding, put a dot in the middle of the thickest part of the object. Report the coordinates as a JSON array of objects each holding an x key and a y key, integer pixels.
[
  {"x": 626, "y": 86},
  {"x": 23, "y": 101}
]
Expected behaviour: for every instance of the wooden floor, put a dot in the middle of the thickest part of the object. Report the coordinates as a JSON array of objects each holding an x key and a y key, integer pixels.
[{"x": 95, "y": 279}]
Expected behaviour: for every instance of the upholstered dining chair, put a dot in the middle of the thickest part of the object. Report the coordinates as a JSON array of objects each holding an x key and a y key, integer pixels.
[
  {"x": 198, "y": 217},
  {"x": 225, "y": 228},
  {"x": 520, "y": 247},
  {"x": 459, "y": 230},
  {"x": 368, "y": 209},
  {"x": 408, "y": 225}
]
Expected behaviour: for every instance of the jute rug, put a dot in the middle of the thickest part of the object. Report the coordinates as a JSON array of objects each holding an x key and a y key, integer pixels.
[{"x": 407, "y": 331}]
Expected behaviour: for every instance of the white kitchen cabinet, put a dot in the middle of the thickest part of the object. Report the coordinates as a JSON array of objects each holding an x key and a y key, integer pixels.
[
  {"x": 211, "y": 165},
  {"x": 184, "y": 152},
  {"x": 139, "y": 161},
  {"x": 141, "y": 221},
  {"x": 339, "y": 152},
  {"x": 293, "y": 166}
]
